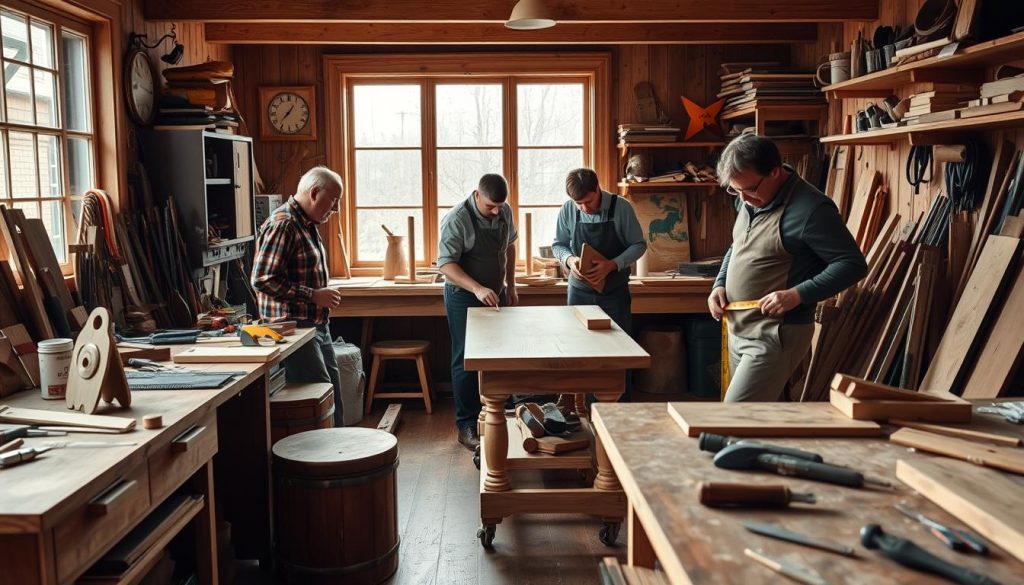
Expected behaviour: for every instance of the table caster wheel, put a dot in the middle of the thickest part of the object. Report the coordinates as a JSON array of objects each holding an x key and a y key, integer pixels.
[
  {"x": 609, "y": 533},
  {"x": 476, "y": 457},
  {"x": 486, "y": 535}
]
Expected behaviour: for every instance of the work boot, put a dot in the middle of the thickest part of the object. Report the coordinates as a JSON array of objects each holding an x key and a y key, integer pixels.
[
  {"x": 469, "y": 438},
  {"x": 532, "y": 419},
  {"x": 554, "y": 420}
]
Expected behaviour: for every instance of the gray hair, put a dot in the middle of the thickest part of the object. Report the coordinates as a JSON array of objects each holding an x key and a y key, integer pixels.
[
  {"x": 319, "y": 177},
  {"x": 748, "y": 152}
]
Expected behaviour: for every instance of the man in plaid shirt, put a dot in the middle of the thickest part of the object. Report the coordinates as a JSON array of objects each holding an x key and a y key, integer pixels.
[{"x": 290, "y": 276}]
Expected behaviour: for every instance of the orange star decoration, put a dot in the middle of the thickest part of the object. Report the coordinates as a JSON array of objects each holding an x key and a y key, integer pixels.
[{"x": 701, "y": 118}]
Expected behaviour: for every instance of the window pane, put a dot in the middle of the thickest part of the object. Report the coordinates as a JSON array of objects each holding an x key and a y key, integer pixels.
[
  {"x": 542, "y": 174},
  {"x": 76, "y": 83},
  {"x": 550, "y": 114},
  {"x": 46, "y": 99},
  {"x": 371, "y": 241},
  {"x": 53, "y": 219},
  {"x": 79, "y": 165},
  {"x": 544, "y": 222},
  {"x": 23, "y": 165},
  {"x": 42, "y": 45},
  {"x": 389, "y": 178},
  {"x": 459, "y": 172},
  {"x": 19, "y": 94},
  {"x": 49, "y": 166},
  {"x": 386, "y": 115},
  {"x": 15, "y": 30},
  {"x": 31, "y": 208},
  {"x": 469, "y": 115}
]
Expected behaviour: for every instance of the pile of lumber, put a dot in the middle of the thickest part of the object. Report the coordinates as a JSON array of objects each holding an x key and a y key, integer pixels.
[
  {"x": 867, "y": 209},
  {"x": 633, "y": 133},
  {"x": 766, "y": 83},
  {"x": 998, "y": 97},
  {"x": 940, "y": 103},
  {"x": 861, "y": 399}
]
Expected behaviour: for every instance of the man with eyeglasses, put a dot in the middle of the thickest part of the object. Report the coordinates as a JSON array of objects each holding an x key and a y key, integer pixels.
[{"x": 790, "y": 250}]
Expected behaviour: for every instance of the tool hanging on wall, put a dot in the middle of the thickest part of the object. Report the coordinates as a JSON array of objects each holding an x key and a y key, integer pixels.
[
  {"x": 965, "y": 180},
  {"x": 96, "y": 370},
  {"x": 919, "y": 163}
]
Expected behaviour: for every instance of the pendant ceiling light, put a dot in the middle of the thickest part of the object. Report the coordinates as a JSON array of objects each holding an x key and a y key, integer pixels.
[{"x": 530, "y": 15}]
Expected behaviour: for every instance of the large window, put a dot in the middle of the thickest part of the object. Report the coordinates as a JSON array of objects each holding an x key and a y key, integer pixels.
[
  {"x": 46, "y": 127},
  {"x": 414, "y": 139}
]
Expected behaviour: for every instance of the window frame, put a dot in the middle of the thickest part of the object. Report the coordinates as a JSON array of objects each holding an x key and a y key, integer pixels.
[{"x": 507, "y": 69}]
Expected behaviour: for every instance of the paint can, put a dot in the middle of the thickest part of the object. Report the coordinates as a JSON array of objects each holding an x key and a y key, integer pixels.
[{"x": 54, "y": 364}]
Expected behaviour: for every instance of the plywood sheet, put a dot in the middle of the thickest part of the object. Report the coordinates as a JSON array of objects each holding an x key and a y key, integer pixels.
[
  {"x": 545, "y": 338},
  {"x": 215, "y": 355},
  {"x": 768, "y": 419},
  {"x": 949, "y": 366},
  {"x": 1000, "y": 355},
  {"x": 986, "y": 500}
]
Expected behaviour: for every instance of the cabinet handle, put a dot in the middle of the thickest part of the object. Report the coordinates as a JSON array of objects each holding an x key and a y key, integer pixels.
[
  {"x": 102, "y": 504},
  {"x": 181, "y": 443}
]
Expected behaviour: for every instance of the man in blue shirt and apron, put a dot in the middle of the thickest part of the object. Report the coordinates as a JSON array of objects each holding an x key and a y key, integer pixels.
[
  {"x": 477, "y": 255},
  {"x": 607, "y": 223}
]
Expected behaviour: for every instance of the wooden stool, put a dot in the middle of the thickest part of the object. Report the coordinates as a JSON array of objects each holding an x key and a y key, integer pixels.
[
  {"x": 301, "y": 407},
  {"x": 400, "y": 350},
  {"x": 335, "y": 519}
]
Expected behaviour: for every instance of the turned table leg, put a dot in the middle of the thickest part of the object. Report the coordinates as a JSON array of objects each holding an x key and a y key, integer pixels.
[
  {"x": 496, "y": 444},
  {"x": 605, "y": 479}
]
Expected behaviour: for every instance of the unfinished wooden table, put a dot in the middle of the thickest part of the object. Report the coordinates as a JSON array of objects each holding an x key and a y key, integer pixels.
[{"x": 544, "y": 350}]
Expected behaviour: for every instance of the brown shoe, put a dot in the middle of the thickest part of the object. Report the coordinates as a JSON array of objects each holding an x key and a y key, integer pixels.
[
  {"x": 528, "y": 415},
  {"x": 469, "y": 438}
]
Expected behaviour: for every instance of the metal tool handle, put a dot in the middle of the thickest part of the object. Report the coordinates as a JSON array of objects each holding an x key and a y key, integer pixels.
[
  {"x": 811, "y": 470},
  {"x": 720, "y": 494},
  {"x": 713, "y": 443},
  {"x": 906, "y": 553}
]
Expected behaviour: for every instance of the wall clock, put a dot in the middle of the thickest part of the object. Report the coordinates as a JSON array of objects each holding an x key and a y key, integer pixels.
[
  {"x": 288, "y": 113},
  {"x": 140, "y": 87}
]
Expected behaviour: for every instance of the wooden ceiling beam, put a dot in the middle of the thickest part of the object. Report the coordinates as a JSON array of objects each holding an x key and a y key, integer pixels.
[
  {"x": 237, "y": 33},
  {"x": 595, "y": 11}
]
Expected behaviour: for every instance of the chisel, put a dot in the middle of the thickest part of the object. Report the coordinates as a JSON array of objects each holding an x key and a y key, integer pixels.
[
  {"x": 776, "y": 531},
  {"x": 745, "y": 495}
]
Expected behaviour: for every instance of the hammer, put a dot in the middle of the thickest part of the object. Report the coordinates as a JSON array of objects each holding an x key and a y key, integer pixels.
[{"x": 909, "y": 554}]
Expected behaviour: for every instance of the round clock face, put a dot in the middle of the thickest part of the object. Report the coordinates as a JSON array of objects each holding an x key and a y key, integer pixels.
[
  {"x": 141, "y": 87},
  {"x": 288, "y": 113}
]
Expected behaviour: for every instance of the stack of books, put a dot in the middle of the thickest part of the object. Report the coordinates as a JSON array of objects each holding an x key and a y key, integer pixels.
[
  {"x": 198, "y": 96},
  {"x": 940, "y": 103},
  {"x": 632, "y": 133},
  {"x": 750, "y": 84}
]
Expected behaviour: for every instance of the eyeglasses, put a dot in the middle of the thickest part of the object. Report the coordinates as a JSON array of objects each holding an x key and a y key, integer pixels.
[{"x": 736, "y": 192}]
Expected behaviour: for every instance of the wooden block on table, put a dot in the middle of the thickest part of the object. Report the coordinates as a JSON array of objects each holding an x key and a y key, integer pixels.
[
  {"x": 213, "y": 355},
  {"x": 143, "y": 351},
  {"x": 860, "y": 388},
  {"x": 951, "y": 411},
  {"x": 32, "y": 416},
  {"x": 985, "y": 500},
  {"x": 588, "y": 256},
  {"x": 768, "y": 419},
  {"x": 1004, "y": 458},
  {"x": 553, "y": 445},
  {"x": 392, "y": 416},
  {"x": 592, "y": 317},
  {"x": 965, "y": 433}
]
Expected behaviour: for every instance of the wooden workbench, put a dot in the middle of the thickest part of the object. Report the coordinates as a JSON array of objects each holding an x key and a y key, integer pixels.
[
  {"x": 544, "y": 350},
  {"x": 49, "y": 529},
  {"x": 659, "y": 468}
]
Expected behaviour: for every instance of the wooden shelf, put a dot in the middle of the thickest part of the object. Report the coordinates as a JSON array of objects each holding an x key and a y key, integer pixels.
[
  {"x": 624, "y": 146},
  {"x": 781, "y": 111},
  {"x": 934, "y": 133},
  {"x": 672, "y": 185},
  {"x": 882, "y": 83}
]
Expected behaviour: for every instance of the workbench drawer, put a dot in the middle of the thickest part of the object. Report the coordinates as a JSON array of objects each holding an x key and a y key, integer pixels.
[
  {"x": 99, "y": 523},
  {"x": 176, "y": 461}
]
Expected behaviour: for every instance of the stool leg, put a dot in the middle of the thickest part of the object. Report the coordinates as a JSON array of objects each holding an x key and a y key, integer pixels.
[
  {"x": 374, "y": 372},
  {"x": 424, "y": 382}
]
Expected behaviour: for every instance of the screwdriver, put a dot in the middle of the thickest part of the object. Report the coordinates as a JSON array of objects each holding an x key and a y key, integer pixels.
[
  {"x": 746, "y": 495},
  {"x": 954, "y": 539},
  {"x": 20, "y": 456}
]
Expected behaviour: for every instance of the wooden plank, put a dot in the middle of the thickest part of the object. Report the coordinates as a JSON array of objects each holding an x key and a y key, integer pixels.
[
  {"x": 392, "y": 416},
  {"x": 865, "y": 389},
  {"x": 567, "y": 33},
  {"x": 592, "y": 317},
  {"x": 757, "y": 419},
  {"x": 959, "y": 344},
  {"x": 32, "y": 295},
  {"x": 960, "y": 432},
  {"x": 1000, "y": 355},
  {"x": 882, "y": 410},
  {"x": 862, "y": 197},
  {"x": 65, "y": 419},
  {"x": 10, "y": 312},
  {"x": 985, "y": 500},
  {"x": 920, "y": 313},
  {"x": 238, "y": 354},
  {"x": 588, "y": 255},
  {"x": 498, "y": 12},
  {"x": 1004, "y": 458},
  {"x": 43, "y": 258}
]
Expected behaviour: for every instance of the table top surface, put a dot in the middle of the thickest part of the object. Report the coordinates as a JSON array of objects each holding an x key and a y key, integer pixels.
[
  {"x": 370, "y": 285},
  {"x": 660, "y": 467},
  {"x": 33, "y": 493},
  {"x": 545, "y": 338}
]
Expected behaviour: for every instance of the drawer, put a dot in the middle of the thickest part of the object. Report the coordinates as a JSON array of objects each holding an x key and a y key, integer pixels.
[
  {"x": 176, "y": 461},
  {"x": 95, "y": 526}
]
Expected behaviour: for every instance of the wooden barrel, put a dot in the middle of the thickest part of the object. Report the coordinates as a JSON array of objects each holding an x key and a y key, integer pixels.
[
  {"x": 301, "y": 407},
  {"x": 335, "y": 517}
]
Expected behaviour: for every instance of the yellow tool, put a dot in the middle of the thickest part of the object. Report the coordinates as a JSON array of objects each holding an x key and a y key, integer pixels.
[
  {"x": 259, "y": 335},
  {"x": 735, "y": 306}
]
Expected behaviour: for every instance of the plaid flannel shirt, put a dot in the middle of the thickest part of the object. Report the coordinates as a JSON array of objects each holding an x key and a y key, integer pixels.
[{"x": 290, "y": 264}]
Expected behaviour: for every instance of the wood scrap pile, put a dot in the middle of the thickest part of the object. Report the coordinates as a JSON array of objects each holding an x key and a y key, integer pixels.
[
  {"x": 634, "y": 133},
  {"x": 939, "y": 104},
  {"x": 747, "y": 85}
]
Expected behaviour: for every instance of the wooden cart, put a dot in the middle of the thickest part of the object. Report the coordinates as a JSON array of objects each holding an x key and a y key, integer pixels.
[{"x": 544, "y": 350}]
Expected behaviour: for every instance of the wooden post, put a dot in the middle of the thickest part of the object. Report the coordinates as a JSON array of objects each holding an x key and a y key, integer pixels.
[
  {"x": 411, "y": 221},
  {"x": 529, "y": 244}
]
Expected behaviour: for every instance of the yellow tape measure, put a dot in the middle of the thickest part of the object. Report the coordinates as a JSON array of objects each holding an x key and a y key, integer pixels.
[{"x": 736, "y": 306}]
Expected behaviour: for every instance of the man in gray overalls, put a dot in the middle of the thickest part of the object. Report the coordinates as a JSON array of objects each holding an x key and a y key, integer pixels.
[
  {"x": 477, "y": 255},
  {"x": 607, "y": 223},
  {"x": 790, "y": 250}
]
